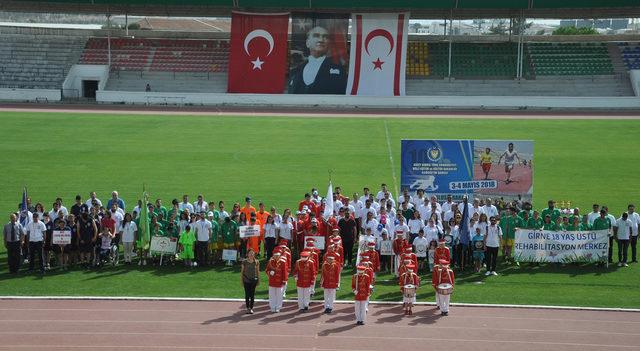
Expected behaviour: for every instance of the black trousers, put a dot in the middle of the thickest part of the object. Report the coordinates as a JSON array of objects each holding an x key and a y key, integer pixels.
[
  {"x": 634, "y": 248},
  {"x": 202, "y": 249},
  {"x": 35, "y": 250},
  {"x": 13, "y": 256},
  {"x": 492, "y": 257},
  {"x": 269, "y": 245},
  {"x": 610, "y": 256},
  {"x": 460, "y": 255},
  {"x": 347, "y": 247},
  {"x": 623, "y": 248},
  {"x": 249, "y": 293}
]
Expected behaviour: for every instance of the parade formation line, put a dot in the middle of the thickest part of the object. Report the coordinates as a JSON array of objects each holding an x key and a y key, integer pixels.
[{"x": 110, "y": 324}]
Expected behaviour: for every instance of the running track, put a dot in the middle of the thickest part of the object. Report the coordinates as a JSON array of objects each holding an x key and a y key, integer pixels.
[{"x": 192, "y": 325}]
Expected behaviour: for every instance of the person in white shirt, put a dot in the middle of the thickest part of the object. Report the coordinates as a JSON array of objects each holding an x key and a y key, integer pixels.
[
  {"x": 446, "y": 217},
  {"x": 285, "y": 228},
  {"x": 419, "y": 199},
  {"x": 383, "y": 191},
  {"x": 270, "y": 236},
  {"x": 53, "y": 214},
  {"x": 405, "y": 197},
  {"x": 421, "y": 248},
  {"x": 593, "y": 215},
  {"x": 36, "y": 232},
  {"x": 489, "y": 209},
  {"x": 128, "y": 234},
  {"x": 203, "y": 235},
  {"x": 365, "y": 212},
  {"x": 201, "y": 206},
  {"x": 93, "y": 200},
  {"x": 623, "y": 231},
  {"x": 185, "y": 205},
  {"x": 634, "y": 217},
  {"x": 415, "y": 224},
  {"x": 371, "y": 223},
  {"x": 365, "y": 195},
  {"x": 400, "y": 227},
  {"x": 446, "y": 206},
  {"x": 492, "y": 244},
  {"x": 431, "y": 231},
  {"x": 476, "y": 208}
]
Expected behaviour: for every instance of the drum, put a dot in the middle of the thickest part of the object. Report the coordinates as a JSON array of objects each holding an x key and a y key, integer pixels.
[
  {"x": 409, "y": 291},
  {"x": 445, "y": 289}
]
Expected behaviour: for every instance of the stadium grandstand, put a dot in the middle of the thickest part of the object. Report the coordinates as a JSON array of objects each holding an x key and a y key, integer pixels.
[{"x": 159, "y": 60}]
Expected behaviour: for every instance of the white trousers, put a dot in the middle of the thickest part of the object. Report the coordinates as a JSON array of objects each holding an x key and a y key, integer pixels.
[
  {"x": 329, "y": 297},
  {"x": 284, "y": 289},
  {"x": 443, "y": 302},
  {"x": 361, "y": 310},
  {"x": 275, "y": 298},
  {"x": 128, "y": 249},
  {"x": 304, "y": 296},
  {"x": 396, "y": 265}
]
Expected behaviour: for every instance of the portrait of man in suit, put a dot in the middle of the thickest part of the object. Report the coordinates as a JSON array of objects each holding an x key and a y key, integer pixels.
[{"x": 318, "y": 73}]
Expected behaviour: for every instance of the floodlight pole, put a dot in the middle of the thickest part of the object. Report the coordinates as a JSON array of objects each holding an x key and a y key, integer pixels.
[
  {"x": 450, "y": 38},
  {"x": 109, "y": 41}
]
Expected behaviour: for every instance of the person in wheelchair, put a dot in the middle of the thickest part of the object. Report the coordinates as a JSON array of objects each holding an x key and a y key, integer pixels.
[{"x": 106, "y": 249}]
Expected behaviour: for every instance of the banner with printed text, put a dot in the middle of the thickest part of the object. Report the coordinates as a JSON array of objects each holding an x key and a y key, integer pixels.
[
  {"x": 499, "y": 168},
  {"x": 560, "y": 246}
]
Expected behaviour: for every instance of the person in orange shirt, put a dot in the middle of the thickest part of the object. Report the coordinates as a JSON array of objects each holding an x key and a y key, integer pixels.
[
  {"x": 254, "y": 241},
  {"x": 261, "y": 216},
  {"x": 250, "y": 212}
]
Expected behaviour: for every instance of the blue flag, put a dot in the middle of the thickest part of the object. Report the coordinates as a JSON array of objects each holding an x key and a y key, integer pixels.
[{"x": 24, "y": 211}]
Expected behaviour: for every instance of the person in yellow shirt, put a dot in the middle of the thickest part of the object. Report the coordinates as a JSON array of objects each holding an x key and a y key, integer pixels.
[{"x": 485, "y": 162}]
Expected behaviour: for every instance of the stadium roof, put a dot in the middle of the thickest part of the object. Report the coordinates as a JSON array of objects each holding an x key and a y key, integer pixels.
[{"x": 420, "y": 8}]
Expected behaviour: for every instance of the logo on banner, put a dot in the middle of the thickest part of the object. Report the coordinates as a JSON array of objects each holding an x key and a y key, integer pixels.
[
  {"x": 258, "y": 33},
  {"x": 434, "y": 154}
]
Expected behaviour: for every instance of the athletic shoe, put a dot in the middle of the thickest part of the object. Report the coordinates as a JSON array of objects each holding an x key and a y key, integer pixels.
[
  {"x": 619, "y": 264},
  {"x": 329, "y": 310},
  {"x": 494, "y": 273},
  {"x": 487, "y": 273},
  {"x": 251, "y": 311},
  {"x": 625, "y": 265},
  {"x": 445, "y": 313}
]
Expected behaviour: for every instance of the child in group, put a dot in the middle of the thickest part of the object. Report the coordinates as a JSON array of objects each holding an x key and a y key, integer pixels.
[
  {"x": 105, "y": 246},
  {"x": 186, "y": 241},
  {"x": 420, "y": 247},
  {"x": 385, "y": 261},
  {"x": 477, "y": 244},
  {"x": 432, "y": 254}
]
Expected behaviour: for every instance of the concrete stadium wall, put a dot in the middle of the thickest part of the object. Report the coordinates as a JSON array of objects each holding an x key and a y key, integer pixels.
[
  {"x": 355, "y": 102},
  {"x": 72, "y": 86},
  {"x": 30, "y": 95}
]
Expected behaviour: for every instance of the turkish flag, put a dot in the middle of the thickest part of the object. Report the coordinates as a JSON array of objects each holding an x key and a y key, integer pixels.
[
  {"x": 378, "y": 54},
  {"x": 258, "y": 56}
]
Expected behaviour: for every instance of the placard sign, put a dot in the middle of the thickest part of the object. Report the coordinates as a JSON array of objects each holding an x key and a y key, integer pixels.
[
  {"x": 386, "y": 248},
  {"x": 229, "y": 255},
  {"x": 61, "y": 237},
  {"x": 319, "y": 241},
  {"x": 162, "y": 245},
  {"x": 249, "y": 231}
]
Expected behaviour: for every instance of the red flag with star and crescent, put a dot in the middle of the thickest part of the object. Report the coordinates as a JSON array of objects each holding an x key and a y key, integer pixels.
[
  {"x": 378, "y": 54},
  {"x": 258, "y": 56}
]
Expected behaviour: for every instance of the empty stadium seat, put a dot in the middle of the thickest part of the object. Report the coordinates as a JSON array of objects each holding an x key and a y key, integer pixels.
[{"x": 570, "y": 59}]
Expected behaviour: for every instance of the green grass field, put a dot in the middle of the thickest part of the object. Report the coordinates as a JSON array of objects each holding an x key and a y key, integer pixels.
[{"x": 276, "y": 160}]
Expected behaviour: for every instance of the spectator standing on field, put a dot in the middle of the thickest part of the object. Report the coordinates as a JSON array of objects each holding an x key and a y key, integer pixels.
[
  {"x": 492, "y": 244},
  {"x": 13, "y": 238},
  {"x": 622, "y": 232},
  {"x": 634, "y": 217},
  {"x": 115, "y": 198},
  {"x": 36, "y": 231}
]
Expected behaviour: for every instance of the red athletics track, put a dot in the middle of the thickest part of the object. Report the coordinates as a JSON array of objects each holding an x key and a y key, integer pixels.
[{"x": 194, "y": 325}]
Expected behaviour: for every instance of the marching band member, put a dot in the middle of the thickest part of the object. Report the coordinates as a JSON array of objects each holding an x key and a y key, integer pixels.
[
  {"x": 403, "y": 267},
  {"x": 399, "y": 243},
  {"x": 374, "y": 257},
  {"x": 286, "y": 254},
  {"x": 361, "y": 286},
  {"x": 408, "y": 254},
  {"x": 278, "y": 274},
  {"x": 409, "y": 278},
  {"x": 329, "y": 281},
  {"x": 314, "y": 256},
  {"x": 304, "y": 274},
  {"x": 442, "y": 274},
  {"x": 442, "y": 252}
]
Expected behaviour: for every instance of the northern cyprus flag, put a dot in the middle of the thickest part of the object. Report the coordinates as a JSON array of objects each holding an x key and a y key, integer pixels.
[
  {"x": 328, "y": 205},
  {"x": 378, "y": 54}
]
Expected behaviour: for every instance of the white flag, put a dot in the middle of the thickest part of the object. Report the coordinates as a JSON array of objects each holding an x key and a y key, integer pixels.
[
  {"x": 378, "y": 54},
  {"x": 328, "y": 205}
]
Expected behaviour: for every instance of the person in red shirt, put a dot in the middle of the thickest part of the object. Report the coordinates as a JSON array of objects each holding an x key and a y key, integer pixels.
[
  {"x": 399, "y": 244},
  {"x": 285, "y": 253},
  {"x": 330, "y": 280},
  {"x": 409, "y": 278},
  {"x": 442, "y": 274},
  {"x": 361, "y": 286},
  {"x": 403, "y": 267},
  {"x": 442, "y": 252},
  {"x": 304, "y": 273},
  {"x": 308, "y": 203},
  {"x": 278, "y": 274},
  {"x": 374, "y": 256},
  {"x": 408, "y": 254}
]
